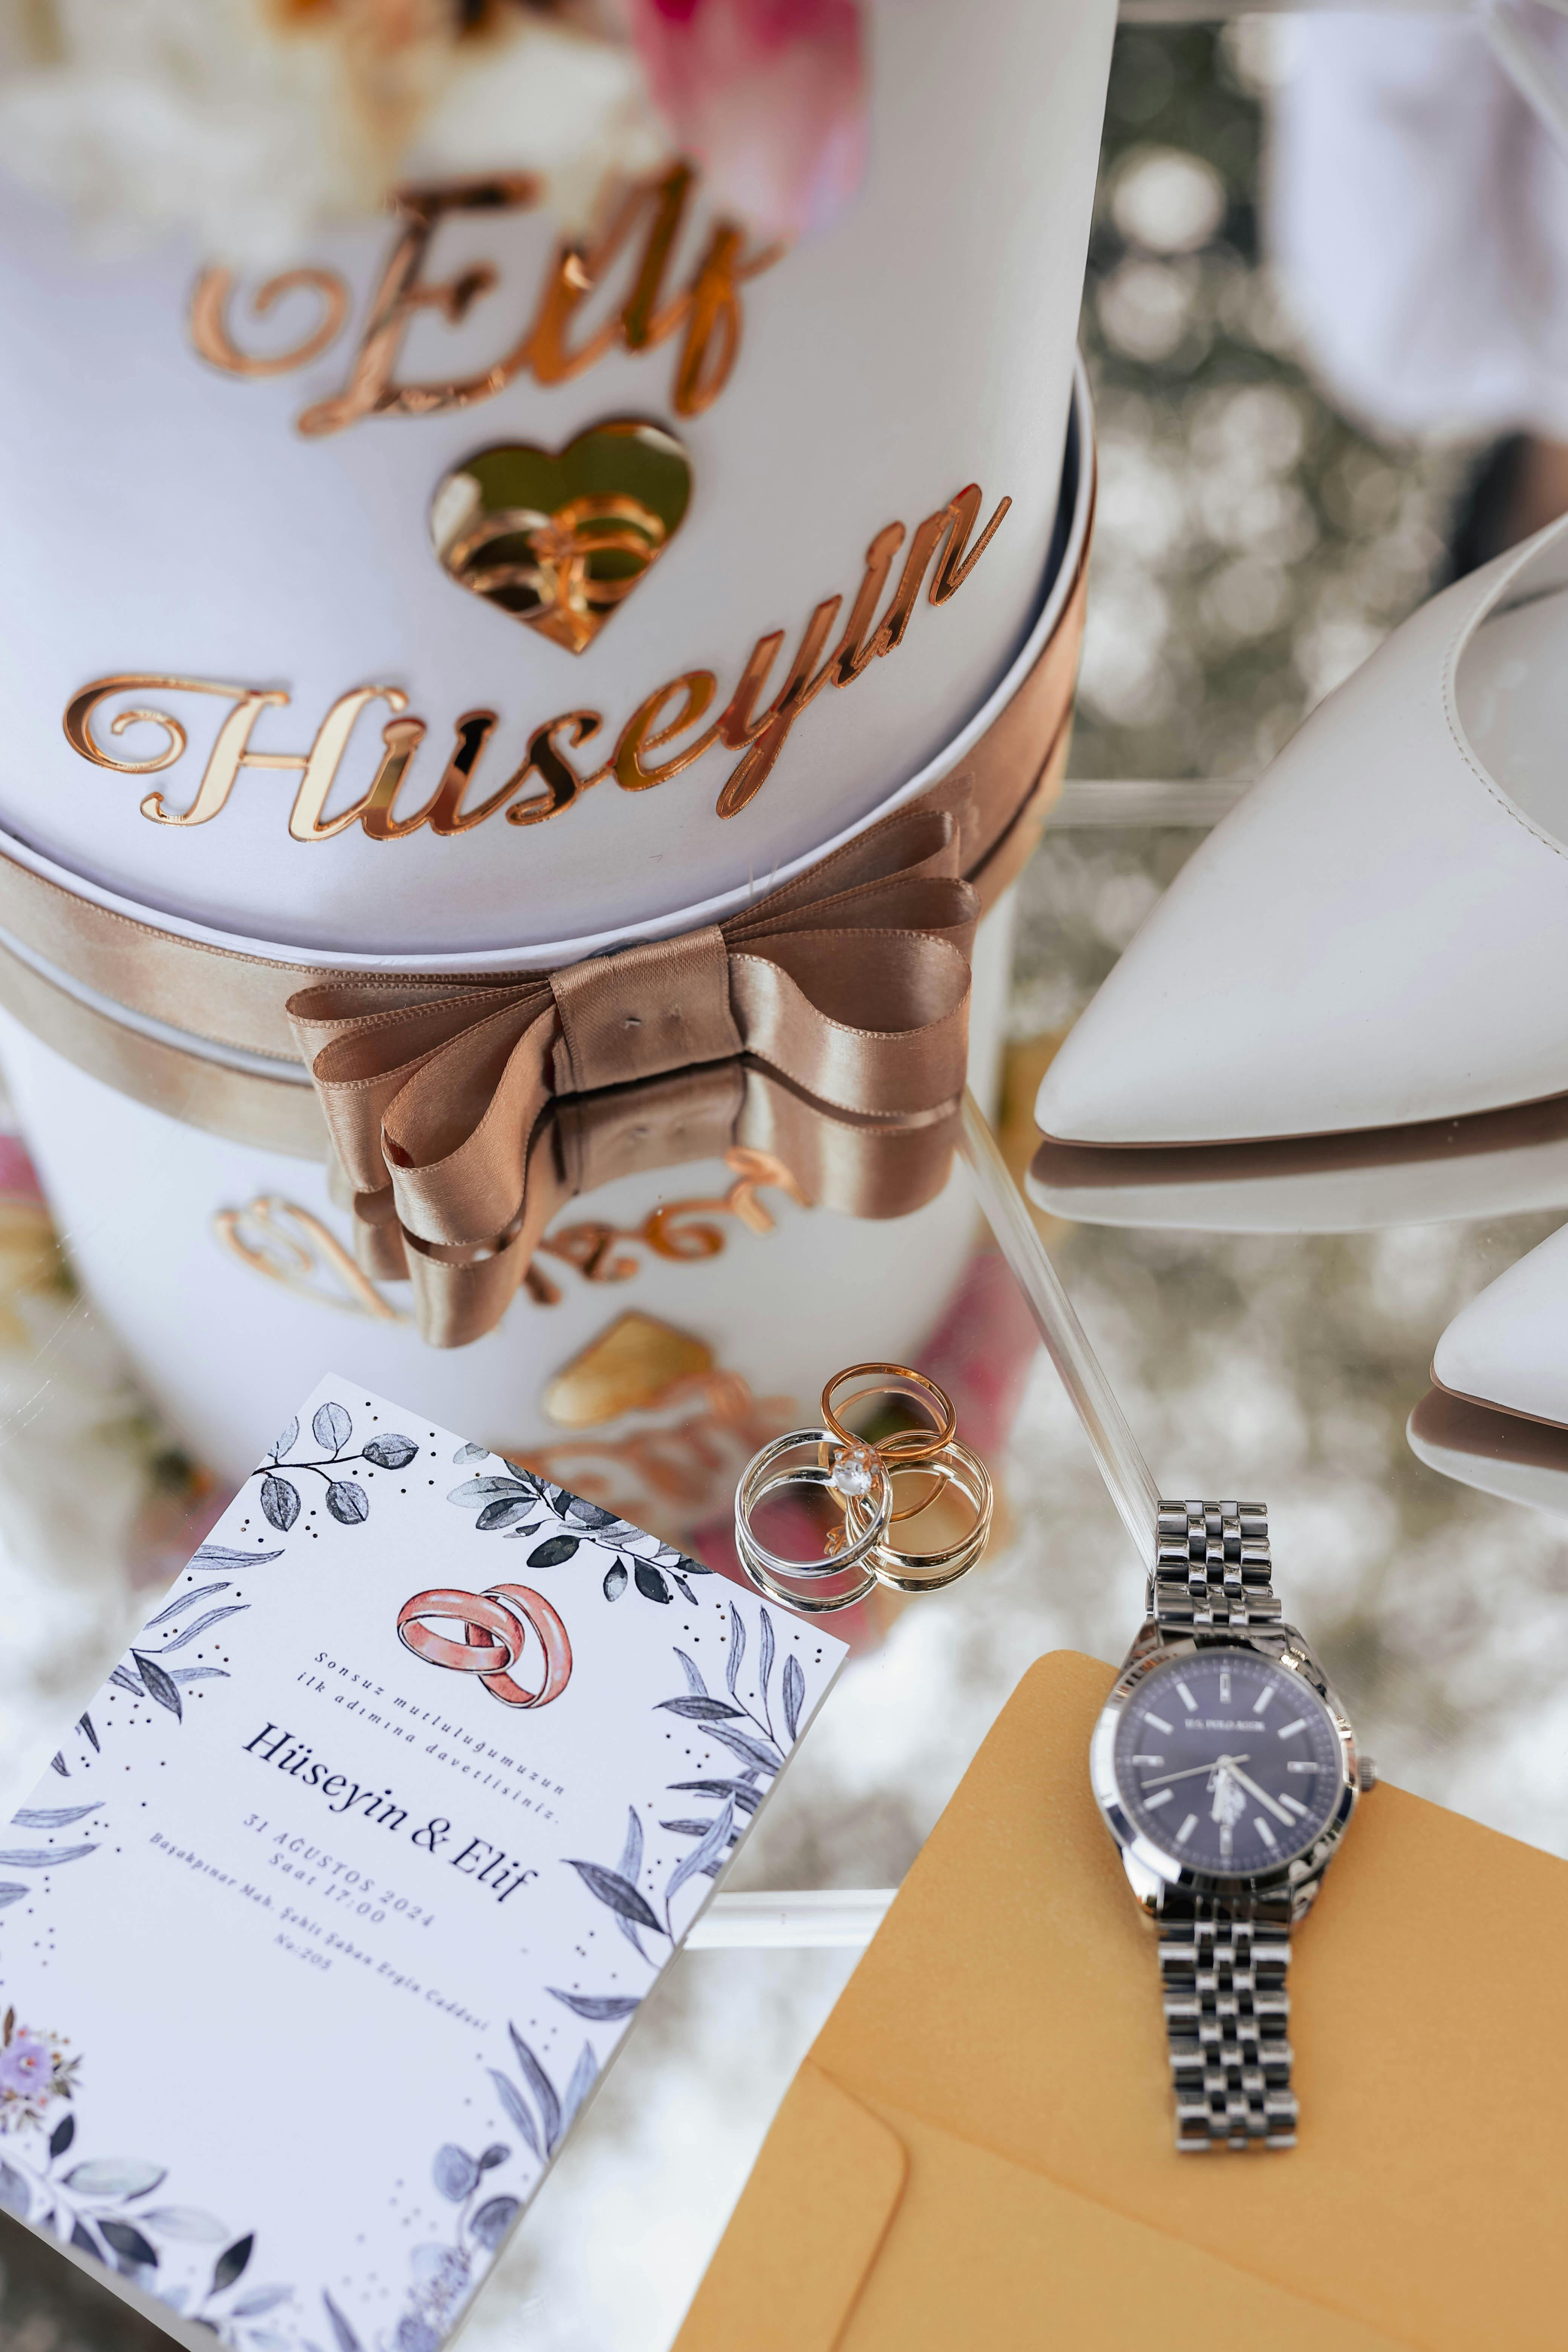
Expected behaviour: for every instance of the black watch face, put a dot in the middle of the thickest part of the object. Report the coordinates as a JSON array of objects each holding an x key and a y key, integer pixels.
[{"x": 1227, "y": 1762}]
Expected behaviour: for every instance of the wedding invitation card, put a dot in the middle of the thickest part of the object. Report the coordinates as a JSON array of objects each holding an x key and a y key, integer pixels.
[{"x": 338, "y": 1898}]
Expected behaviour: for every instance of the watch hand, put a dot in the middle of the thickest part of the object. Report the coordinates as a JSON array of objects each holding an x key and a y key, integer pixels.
[
  {"x": 1262, "y": 1795},
  {"x": 1212, "y": 1767}
]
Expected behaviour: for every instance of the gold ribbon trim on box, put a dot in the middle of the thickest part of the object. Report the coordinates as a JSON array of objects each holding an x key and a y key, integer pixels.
[
  {"x": 826, "y": 1022},
  {"x": 849, "y": 986}
]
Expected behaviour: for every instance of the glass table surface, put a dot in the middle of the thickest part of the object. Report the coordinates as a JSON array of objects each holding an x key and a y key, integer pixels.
[{"x": 1286, "y": 1362}]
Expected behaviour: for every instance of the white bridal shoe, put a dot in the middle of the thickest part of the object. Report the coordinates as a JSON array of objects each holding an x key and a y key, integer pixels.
[
  {"x": 1499, "y": 1164},
  {"x": 1508, "y": 1347},
  {"x": 1378, "y": 933},
  {"x": 1522, "y": 1461},
  {"x": 1496, "y": 1416}
]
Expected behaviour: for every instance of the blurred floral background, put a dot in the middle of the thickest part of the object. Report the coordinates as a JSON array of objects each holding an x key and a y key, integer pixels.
[{"x": 1252, "y": 547}]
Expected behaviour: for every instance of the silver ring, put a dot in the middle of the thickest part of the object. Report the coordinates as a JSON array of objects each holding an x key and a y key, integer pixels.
[
  {"x": 809, "y": 1602},
  {"x": 815, "y": 1458}
]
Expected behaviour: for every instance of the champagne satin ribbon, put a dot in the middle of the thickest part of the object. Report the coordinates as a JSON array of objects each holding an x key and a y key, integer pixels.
[{"x": 849, "y": 986}]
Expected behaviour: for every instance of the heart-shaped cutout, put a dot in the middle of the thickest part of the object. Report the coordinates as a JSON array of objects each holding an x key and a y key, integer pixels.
[{"x": 560, "y": 539}]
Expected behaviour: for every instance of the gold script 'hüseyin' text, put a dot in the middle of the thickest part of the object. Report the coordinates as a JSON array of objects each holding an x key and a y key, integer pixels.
[{"x": 546, "y": 783}]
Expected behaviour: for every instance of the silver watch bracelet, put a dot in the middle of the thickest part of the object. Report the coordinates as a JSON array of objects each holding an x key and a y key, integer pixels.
[{"x": 1223, "y": 1959}]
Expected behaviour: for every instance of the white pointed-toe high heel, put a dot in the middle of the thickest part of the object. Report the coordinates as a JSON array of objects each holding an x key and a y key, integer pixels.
[
  {"x": 1497, "y": 1414},
  {"x": 1499, "y": 1453},
  {"x": 1378, "y": 933},
  {"x": 1500, "y": 1164},
  {"x": 1508, "y": 1350}
]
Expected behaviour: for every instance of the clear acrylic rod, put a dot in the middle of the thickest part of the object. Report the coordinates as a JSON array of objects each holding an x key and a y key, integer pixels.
[
  {"x": 805, "y": 1920},
  {"x": 1116, "y": 1449}
]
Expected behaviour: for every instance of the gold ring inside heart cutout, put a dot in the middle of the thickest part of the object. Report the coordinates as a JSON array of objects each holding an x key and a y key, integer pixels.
[{"x": 560, "y": 539}]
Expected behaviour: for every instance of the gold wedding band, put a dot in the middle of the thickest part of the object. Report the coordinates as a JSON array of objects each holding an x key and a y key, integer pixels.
[
  {"x": 903, "y": 1445},
  {"x": 955, "y": 1467},
  {"x": 894, "y": 1380}
]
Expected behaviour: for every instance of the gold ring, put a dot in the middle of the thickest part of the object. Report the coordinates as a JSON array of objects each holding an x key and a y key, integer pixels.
[
  {"x": 904, "y": 1445},
  {"x": 895, "y": 1380},
  {"x": 909, "y": 1571}
]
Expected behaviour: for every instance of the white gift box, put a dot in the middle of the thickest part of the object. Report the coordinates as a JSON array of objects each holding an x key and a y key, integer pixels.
[
  {"x": 189, "y": 543},
  {"x": 178, "y": 524}
]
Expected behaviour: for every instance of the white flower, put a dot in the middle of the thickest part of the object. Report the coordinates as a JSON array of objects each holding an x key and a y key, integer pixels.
[
  {"x": 251, "y": 124},
  {"x": 550, "y": 100}
]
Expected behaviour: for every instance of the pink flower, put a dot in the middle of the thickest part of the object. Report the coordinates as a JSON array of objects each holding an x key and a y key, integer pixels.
[
  {"x": 24, "y": 2065},
  {"x": 768, "y": 95}
]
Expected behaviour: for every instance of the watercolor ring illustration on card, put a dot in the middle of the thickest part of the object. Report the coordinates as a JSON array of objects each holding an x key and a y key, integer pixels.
[{"x": 495, "y": 1624}]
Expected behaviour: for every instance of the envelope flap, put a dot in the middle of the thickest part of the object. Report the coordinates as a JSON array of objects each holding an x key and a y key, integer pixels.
[
  {"x": 811, "y": 2223},
  {"x": 983, "y": 2252}
]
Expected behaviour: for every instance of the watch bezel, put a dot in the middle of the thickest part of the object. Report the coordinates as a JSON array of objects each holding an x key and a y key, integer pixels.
[{"x": 1150, "y": 1863}]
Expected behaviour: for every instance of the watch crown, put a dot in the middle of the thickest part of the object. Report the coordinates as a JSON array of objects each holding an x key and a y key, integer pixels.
[{"x": 1366, "y": 1773}]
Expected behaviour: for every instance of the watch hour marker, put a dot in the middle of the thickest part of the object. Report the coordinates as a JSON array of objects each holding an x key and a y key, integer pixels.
[
  {"x": 1264, "y": 1832},
  {"x": 1265, "y": 1699},
  {"x": 1188, "y": 1826},
  {"x": 1302, "y": 1768},
  {"x": 1289, "y": 1730},
  {"x": 1158, "y": 1723},
  {"x": 1148, "y": 1759},
  {"x": 1163, "y": 1798},
  {"x": 1188, "y": 1701},
  {"x": 1225, "y": 1685},
  {"x": 1225, "y": 1837},
  {"x": 1292, "y": 1806}
]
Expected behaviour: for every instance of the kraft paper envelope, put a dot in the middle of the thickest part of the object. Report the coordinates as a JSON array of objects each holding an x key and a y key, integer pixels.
[{"x": 977, "y": 2150}]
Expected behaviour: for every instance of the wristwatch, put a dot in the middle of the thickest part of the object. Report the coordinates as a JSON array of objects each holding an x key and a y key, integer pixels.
[{"x": 1227, "y": 1772}]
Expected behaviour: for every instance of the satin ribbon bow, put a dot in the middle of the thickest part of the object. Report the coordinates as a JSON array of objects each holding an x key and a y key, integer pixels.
[{"x": 849, "y": 985}]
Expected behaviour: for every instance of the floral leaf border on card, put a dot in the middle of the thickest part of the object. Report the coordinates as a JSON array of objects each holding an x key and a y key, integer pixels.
[
  {"x": 757, "y": 1731},
  {"x": 102, "y": 2206},
  {"x": 517, "y": 1503},
  {"x": 48, "y": 1818},
  {"x": 445, "y": 2274},
  {"x": 751, "y": 1734},
  {"x": 333, "y": 1427},
  {"x": 143, "y": 1672}
]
